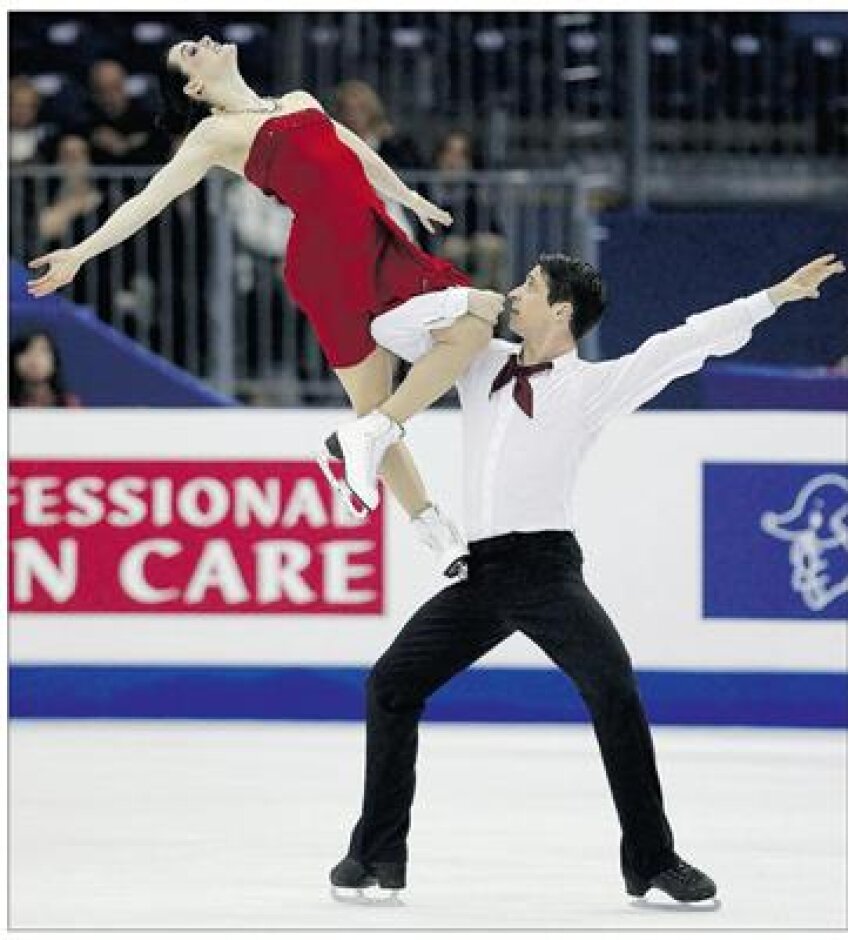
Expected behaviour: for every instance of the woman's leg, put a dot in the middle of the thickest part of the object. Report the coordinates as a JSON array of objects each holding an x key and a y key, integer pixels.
[
  {"x": 455, "y": 346},
  {"x": 367, "y": 384}
]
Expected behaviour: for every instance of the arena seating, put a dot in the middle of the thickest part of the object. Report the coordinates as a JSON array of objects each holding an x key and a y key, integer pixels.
[{"x": 728, "y": 81}]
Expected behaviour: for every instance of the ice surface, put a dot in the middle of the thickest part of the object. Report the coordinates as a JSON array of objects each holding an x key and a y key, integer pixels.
[{"x": 228, "y": 825}]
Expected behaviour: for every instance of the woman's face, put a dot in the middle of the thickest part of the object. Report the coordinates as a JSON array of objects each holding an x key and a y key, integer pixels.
[
  {"x": 36, "y": 363},
  {"x": 202, "y": 61},
  {"x": 455, "y": 154}
]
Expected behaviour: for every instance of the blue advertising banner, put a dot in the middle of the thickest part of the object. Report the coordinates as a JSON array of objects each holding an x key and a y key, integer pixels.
[{"x": 775, "y": 541}]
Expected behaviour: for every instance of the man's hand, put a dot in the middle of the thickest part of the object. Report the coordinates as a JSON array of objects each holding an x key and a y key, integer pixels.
[
  {"x": 108, "y": 139},
  {"x": 806, "y": 281}
]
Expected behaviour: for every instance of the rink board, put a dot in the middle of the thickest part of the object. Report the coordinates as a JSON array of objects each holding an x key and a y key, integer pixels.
[
  {"x": 158, "y": 569},
  {"x": 799, "y": 700}
]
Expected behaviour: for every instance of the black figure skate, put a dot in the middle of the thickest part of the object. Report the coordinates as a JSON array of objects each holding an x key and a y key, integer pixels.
[
  {"x": 680, "y": 881},
  {"x": 351, "y": 879}
]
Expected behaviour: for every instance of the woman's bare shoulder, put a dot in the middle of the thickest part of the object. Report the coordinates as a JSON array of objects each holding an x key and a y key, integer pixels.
[
  {"x": 299, "y": 99},
  {"x": 210, "y": 132},
  {"x": 215, "y": 139}
]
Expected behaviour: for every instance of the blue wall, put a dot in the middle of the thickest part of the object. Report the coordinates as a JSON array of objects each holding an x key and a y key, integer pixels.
[
  {"x": 664, "y": 266},
  {"x": 101, "y": 365}
]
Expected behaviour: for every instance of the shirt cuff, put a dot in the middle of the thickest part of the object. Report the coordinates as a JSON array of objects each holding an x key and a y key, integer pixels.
[{"x": 760, "y": 307}]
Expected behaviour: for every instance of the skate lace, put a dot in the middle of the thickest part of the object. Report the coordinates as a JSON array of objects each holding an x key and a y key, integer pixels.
[{"x": 683, "y": 872}]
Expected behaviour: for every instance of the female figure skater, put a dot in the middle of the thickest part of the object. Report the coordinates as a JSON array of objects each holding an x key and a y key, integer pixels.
[{"x": 347, "y": 261}]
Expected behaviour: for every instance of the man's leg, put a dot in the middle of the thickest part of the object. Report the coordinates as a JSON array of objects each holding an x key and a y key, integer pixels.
[
  {"x": 451, "y": 631},
  {"x": 576, "y": 633}
]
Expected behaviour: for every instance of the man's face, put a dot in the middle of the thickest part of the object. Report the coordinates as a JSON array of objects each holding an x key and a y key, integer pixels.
[
  {"x": 23, "y": 107},
  {"x": 108, "y": 86},
  {"x": 530, "y": 313}
]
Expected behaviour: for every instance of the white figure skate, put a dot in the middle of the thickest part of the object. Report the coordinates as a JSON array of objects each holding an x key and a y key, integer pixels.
[
  {"x": 360, "y": 446},
  {"x": 442, "y": 537}
]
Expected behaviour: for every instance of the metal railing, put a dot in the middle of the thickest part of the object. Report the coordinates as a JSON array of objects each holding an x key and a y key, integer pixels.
[
  {"x": 153, "y": 287},
  {"x": 202, "y": 285}
]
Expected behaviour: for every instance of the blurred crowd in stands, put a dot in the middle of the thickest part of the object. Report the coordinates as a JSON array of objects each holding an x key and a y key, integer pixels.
[
  {"x": 116, "y": 129},
  {"x": 83, "y": 95},
  {"x": 526, "y": 83}
]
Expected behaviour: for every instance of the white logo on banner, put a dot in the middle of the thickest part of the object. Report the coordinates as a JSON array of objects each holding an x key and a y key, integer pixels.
[{"x": 816, "y": 527}]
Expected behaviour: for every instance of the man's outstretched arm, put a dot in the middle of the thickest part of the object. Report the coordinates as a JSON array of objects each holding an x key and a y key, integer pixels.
[
  {"x": 806, "y": 282},
  {"x": 622, "y": 385}
]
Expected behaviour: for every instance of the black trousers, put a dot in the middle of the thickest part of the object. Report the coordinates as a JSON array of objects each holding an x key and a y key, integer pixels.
[{"x": 530, "y": 582}]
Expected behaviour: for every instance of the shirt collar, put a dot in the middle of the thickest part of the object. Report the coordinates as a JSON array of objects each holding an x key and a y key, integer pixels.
[{"x": 566, "y": 361}]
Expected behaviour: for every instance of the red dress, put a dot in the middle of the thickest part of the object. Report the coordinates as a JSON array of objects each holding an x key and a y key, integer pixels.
[{"x": 347, "y": 261}]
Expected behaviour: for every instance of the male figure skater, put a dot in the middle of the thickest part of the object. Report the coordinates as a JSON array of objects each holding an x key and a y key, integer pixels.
[{"x": 530, "y": 413}]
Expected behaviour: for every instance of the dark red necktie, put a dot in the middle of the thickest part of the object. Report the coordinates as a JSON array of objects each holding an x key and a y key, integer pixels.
[{"x": 523, "y": 391}]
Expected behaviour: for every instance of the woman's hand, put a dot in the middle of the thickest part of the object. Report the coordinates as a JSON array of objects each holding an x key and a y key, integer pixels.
[
  {"x": 428, "y": 213},
  {"x": 62, "y": 265}
]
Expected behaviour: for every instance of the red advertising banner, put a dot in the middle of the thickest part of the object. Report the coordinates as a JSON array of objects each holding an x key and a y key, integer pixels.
[{"x": 194, "y": 536}]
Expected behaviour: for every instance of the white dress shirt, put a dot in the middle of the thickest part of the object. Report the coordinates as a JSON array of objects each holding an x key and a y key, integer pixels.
[{"x": 520, "y": 472}]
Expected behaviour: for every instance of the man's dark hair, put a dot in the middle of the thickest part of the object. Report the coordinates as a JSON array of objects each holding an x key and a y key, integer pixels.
[
  {"x": 178, "y": 113},
  {"x": 572, "y": 279}
]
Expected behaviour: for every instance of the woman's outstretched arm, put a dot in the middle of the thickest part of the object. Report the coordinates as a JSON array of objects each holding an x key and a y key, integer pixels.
[
  {"x": 388, "y": 184},
  {"x": 187, "y": 167}
]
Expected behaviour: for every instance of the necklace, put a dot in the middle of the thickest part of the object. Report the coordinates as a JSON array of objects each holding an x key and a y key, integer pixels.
[{"x": 273, "y": 105}]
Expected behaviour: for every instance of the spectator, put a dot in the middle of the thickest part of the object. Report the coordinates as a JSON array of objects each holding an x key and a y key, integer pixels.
[
  {"x": 26, "y": 133},
  {"x": 35, "y": 373},
  {"x": 474, "y": 242},
  {"x": 358, "y": 107},
  {"x": 76, "y": 208},
  {"x": 186, "y": 244},
  {"x": 262, "y": 228},
  {"x": 28, "y": 138},
  {"x": 262, "y": 225},
  {"x": 78, "y": 198},
  {"x": 119, "y": 128}
]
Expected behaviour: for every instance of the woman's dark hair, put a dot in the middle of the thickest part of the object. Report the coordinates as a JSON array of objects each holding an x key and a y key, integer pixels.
[
  {"x": 178, "y": 113},
  {"x": 20, "y": 344},
  {"x": 575, "y": 280}
]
